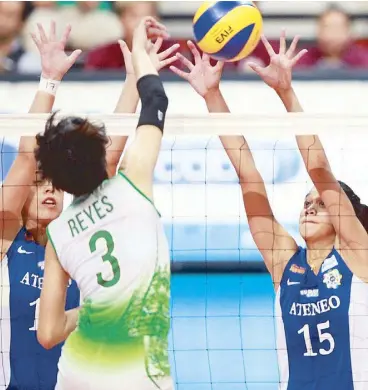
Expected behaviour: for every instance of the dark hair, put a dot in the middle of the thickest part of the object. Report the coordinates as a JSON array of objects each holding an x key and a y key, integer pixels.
[
  {"x": 361, "y": 210},
  {"x": 333, "y": 7},
  {"x": 28, "y": 8},
  {"x": 72, "y": 154}
]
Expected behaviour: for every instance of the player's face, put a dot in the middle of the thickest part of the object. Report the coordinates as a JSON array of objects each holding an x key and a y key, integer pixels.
[
  {"x": 333, "y": 33},
  {"x": 314, "y": 222},
  {"x": 10, "y": 19},
  {"x": 44, "y": 204},
  {"x": 134, "y": 13}
]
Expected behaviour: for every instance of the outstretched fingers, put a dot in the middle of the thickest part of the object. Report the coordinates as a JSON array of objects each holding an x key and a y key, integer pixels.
[
  {"x": 268, "y": 46},
  {"x": 36, "y": 41},
  {"x": 292, "y": 48},
  {"x": 297, "y": 58},
  {"x": 73, "y": 57},
  {"x": 195, "y": 52},
  {"x": 185, "y": 61},
  {"x": 66, "y": 34},
  {"x": 124, "y": 49},
  {"x": 282, "y": 42},
  {"x": 166, "y": 53},
  {"x": 43, "y": 37},
  {"x": 180, "y": 73},
  {"x": 52, "y": 31},
  {"x": 158, "y": 44},
  {"x": 219, "y": 66},
  {"x": 256, "y": 68}
]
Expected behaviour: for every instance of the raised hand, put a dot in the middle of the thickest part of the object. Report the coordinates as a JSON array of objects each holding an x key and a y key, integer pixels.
[
  {"x": 159, "y": 60},
  {"x": 202, "y": 76},
  {"x": 147, "y": 29},
  {"x": 278, "y": 74},
  {"x": 54, "y": 61}
]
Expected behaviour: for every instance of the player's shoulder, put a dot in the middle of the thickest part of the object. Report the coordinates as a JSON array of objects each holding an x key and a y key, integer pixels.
[
  {"x": 23, "y": 243},
  {"x": 296, "y": 267}
]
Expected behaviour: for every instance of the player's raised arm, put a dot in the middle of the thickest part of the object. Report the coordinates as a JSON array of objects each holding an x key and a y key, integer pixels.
[
  {"x": 141, "y": 157},
  {"x": 129, "y": 97},
  {"x": 22, "y": 174},
  {"x": 275, "y": 244},
  {"x": 346, "y": 212}
]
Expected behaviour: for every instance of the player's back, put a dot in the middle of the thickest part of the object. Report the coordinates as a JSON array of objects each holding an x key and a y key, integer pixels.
[
  {"x": 322, "y": 324},
  {"x": 112, "y": 243}
]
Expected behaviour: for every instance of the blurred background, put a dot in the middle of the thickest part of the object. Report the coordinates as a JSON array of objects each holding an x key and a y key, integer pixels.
[
  {"x": 222, "y": 327},
  {"x": 336, "y": 34}
]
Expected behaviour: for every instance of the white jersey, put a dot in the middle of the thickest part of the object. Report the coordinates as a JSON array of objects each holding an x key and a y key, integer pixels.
[{"x": 113, "y": 244}]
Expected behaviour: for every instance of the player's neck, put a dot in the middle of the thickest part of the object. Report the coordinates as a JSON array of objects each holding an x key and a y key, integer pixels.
[
  {"x": 37, "y": 231},
  {"x": 317, "y": 251}
]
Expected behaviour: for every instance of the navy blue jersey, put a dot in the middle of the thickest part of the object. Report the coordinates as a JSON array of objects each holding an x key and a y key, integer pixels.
[
  {"x": 26, "y": 365},
  {"x": 320, "y": 326}
]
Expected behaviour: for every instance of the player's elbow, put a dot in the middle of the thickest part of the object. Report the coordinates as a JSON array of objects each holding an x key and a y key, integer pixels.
[{"x": 46, "y": 338}]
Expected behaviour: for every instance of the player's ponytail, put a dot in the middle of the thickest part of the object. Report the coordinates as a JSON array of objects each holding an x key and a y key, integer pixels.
[
  {"x": 361, "y": 210},
  {"x": 71, "y": 154}
]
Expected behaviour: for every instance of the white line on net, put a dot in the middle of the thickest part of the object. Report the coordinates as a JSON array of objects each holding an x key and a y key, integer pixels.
[{"x": 281, "y": 125}]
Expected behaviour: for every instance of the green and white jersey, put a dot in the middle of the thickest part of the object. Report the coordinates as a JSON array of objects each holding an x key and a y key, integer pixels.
[{"x": 112, "y": 243}]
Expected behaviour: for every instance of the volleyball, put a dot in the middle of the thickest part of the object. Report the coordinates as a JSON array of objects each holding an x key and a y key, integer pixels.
[{"x": 227, "y": 30}]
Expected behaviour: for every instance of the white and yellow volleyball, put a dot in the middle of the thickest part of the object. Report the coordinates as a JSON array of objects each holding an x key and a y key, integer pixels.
[{"x": 227, "y": 30}]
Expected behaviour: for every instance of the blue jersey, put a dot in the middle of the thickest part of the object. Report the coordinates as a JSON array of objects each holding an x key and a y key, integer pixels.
[
  {"x": 322, "y": 326},
  {"x": 26, "y": 365}
]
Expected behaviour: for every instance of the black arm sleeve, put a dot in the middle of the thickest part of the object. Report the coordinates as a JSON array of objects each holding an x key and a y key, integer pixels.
[{"x": 154, "y": 101}]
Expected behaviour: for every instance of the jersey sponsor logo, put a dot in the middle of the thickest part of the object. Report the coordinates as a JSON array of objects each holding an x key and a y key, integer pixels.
[
  {"x": 297, "y": 270},
  {"x": 41, "y": 264},
  {"x": 315, "y": 308},
  {"x": 23, "y": 251},
  {"x": 329, "y": 263},
  {"x": 291, "y": 283},
  {"x": 310, "y": 293},
  {"x": 332, "y": 279}
]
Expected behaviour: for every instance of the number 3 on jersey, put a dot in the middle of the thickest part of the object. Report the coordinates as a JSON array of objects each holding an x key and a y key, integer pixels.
[{"x": 108, "y": 256}]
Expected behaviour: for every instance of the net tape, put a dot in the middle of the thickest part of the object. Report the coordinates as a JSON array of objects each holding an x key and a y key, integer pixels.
[{"x": 207, "y": 125}]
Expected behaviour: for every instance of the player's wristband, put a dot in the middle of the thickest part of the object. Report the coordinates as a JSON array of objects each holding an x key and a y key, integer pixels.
[
  {"x": 48, "y": 86},
  {"x": 154, "y": 101}
]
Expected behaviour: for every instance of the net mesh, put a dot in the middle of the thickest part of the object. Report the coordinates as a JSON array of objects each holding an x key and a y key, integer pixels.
[{"x": 223, "y": 329}]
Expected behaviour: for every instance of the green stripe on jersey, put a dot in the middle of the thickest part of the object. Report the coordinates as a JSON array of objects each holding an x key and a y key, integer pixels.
[{"x": 138, "y": 190}]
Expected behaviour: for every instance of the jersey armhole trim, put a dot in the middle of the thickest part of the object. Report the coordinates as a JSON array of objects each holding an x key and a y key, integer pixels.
[
  {"x": 50, "y": 239},
  {"x": 138, "y": 190}
]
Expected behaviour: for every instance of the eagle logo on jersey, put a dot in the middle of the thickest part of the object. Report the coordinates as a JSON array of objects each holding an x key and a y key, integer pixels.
[{"x": 332, "y": 279}]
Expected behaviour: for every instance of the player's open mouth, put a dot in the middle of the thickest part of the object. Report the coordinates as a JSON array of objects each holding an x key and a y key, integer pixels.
[{"x": 51, "y": 202}]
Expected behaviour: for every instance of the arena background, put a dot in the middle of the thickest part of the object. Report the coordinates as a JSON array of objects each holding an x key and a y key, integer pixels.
[{"x": 222, "y": 329}]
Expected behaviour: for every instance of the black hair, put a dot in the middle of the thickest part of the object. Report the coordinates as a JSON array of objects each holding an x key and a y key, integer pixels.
[
  {"x": 28, "y": 8},
  {"x": 72, "y": 154},
  {"x": 361, "y": 210}
]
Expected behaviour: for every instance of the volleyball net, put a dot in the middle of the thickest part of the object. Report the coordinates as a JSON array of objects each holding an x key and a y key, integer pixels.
[
  {"x": 197, "y": 190},
  {"x": 223, "y": 334}
]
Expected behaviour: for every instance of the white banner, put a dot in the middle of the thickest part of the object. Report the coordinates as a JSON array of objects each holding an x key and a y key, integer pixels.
[{"x": 243, "y": 97}]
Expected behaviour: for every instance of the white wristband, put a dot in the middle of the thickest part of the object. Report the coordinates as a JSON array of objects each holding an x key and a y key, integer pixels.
[{"x": 48, "y": 86}]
